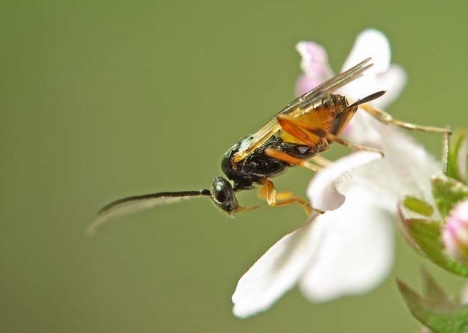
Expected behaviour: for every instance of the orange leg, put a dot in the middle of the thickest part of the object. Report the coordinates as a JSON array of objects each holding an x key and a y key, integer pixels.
[
  {"x": 306, "y": 134},
  {"x": 282, "y": 156},
  {"x": 275, "y": 199},
  {"x": 299, "y": 131}
]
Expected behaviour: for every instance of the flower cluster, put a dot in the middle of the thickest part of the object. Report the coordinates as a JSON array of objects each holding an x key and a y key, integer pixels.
[{"x": 349, "y": 249}]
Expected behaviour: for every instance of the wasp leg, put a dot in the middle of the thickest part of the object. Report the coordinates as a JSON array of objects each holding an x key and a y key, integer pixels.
[
  {"x": 299, "y": 131},
  {"x": 308, "y": 135},
  {"x": 275, "y": 199},
  {"x": 321, "y": 161},
  {"x": 385, "y": 118},
  {"x": 244, "y": 209},
  {"x": 282, "y": 156},
  {"x": 350, "y": 144}
]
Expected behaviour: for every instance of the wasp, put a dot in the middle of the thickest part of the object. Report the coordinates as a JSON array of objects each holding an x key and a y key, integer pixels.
[{"x": 299, "y": 132}]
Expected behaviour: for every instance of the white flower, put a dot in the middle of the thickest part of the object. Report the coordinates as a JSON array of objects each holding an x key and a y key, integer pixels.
[{"x": 349, "y": 249}]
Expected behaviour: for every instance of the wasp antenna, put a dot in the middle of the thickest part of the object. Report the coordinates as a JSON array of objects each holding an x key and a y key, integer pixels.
[
  {"x": 369, "y": 98},
  {"x": 133, "y": 204}
]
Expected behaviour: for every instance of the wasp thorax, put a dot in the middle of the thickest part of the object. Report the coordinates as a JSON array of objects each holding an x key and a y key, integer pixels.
[{"x": 223, "y": 196}]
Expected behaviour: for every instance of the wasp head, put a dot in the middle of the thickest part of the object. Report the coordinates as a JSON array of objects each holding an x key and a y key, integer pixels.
[{"x": 223, "y": 195}]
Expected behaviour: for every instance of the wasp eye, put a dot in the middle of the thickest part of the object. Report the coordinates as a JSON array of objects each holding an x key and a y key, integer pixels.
[
  {"x": 223, "y": 196},
  {"x": 220, "y": 195}
]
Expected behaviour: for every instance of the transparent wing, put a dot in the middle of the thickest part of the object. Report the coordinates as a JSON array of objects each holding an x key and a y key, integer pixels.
[
  {"x": 309, "y": 98},
  {"x": 133, "y": 204},
  {"x": 328, "y": 87}
]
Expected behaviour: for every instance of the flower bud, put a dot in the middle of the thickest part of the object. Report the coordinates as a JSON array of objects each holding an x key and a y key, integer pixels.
[{"x": 455, "y": 232}]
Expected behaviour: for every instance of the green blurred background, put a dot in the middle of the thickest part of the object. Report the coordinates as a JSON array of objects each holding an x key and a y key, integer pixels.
[{"x": 102, "y": 99}]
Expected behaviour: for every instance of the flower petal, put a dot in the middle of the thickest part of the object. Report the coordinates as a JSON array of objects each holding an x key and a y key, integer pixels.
[
  {"x": 305, "y": 84},
  {"x": 455, "y": 232},
  {"x": 277, "y": 271},
  {"x": 322, "y": 190},
  {"x": 406, "y": 168},
  {"x": 356, "y": 252},
  {"x": 392, "y": 82},
  {"x": 314, "y": 64},
  {"x": 370, "y": 43},
  {"x": 312, "y": 55},
  {"x": 361, "y": 129}
]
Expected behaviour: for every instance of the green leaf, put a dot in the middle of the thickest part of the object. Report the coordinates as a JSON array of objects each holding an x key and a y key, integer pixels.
[
  {"x": 431, "y": 314},
  {"x": 434, "y": 292},
  {"x": 426, "y": 234},
  {"x": 456, "y": 159},
  {"x": 447, "y": 193}
]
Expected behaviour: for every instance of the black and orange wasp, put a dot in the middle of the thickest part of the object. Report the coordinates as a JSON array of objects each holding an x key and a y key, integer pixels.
[{"x": 294, "y": 136}]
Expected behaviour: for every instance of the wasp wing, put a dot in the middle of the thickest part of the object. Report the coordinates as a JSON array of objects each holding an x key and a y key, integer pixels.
[
  {"x": 138, "y": 203},
  {"x": 299, "y": 104},
  {"x": 328, "y": 87}
]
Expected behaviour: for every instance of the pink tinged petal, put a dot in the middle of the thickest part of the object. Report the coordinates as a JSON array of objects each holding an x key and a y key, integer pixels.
[
  {"x": 305, "y": 84},
  {"x": 314, "y": 64},
  {"x": 356, "y": 251},
  {"x": 322, "y": 191},
  {"x": 455, "y": 232},
  {"x": 277, "y": 271},
  {"x": 462, "y": 212},
  {"x": 312, "y": 55},
  {"x": 314, "y": 59}
]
